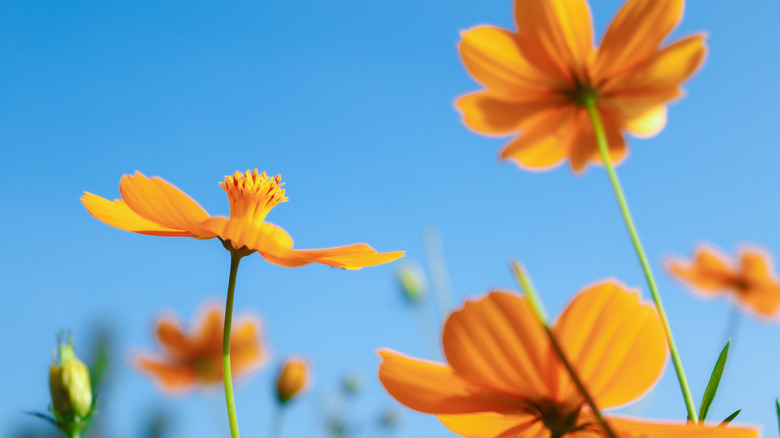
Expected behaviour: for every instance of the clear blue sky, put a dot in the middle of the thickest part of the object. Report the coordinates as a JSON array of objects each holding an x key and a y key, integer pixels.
[{"x": 351, "y": 102}]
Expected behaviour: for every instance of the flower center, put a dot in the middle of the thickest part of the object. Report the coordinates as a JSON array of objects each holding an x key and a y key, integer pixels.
[
  {"x": 558, "y": 418},
  {"x": 253, "y": 195}
]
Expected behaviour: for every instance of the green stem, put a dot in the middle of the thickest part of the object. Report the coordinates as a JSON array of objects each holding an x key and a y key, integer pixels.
[
  {"x": 235, "y": 258},
  {"x": 276, "y": 424},
  {"x": 541, "y": 315},
  {"x": 601, "y": 140}
]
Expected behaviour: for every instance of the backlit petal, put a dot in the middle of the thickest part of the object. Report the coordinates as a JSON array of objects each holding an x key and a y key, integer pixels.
[
  {"x": 493, "y": 58},
  {"x": 496, "y": 342},
  {"x": 170, "y": 377},
  {"x": 584, "y": 149},
  {"x": 435, "y": 388},
  {"x": 492, "y": 424},
  {"x": 246, "y": 350},
  {"x": 169, "y": 334},
  {"x": 709, "y": 272},
  {"x": 208, "y": 335},
  {"x": 755, "y": 266},
  {"x": 649, "y": 124},
  {"x": 119, "y": 215},
  {"x": 628, "y": 428},
  {"x": 615, "y": 342},
  {"x": 666, "y": 70},
  {"x": 486, "y": 114},
  {"x": 556, "y": 35},
  {"x": 161, "y": 202},
  {"x": 544, "y": 142},
  {"x": 635, "y": 34}
]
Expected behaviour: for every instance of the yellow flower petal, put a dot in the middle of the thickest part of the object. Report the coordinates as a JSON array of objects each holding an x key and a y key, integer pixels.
[
  {"x": 628, "y": 428},
  {"x": 170, "y": 336},
  {"x": 635, "y": 34},
  {"x": 708, "y": 273},
  {"x": 435, "y": 388},
  {"x": 649, "y": 124},
  {"x": 493, "y": 58},
  {"x": 492, "y": 424},
  {"x": 170, "y": 377},
  {"x": 161, "y": 202},
  {"x": 664, "y": 71},
  {"x": 615, "y": 342},
  {"x": 556, "y": 35},
  {"x": 497, "y": 342},
  {"x": 486, "y": 114},
  {"x": 119, "y": 215},
  {"x": 545, "y": 142},
  {"x": 583, "y": 149}
]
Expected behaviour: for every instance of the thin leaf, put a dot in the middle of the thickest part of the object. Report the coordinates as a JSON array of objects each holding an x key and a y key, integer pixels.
[
  {"x": 730, "y": 418},
  {"x": 43, "y": 416},
  {"x": 712, "y": 386},
  {"x": 98, "y": 368},
  {"x": 777, "y": 404}
]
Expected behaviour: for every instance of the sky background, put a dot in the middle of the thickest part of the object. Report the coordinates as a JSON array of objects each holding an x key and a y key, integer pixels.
[{"x": 352, "y": 102}]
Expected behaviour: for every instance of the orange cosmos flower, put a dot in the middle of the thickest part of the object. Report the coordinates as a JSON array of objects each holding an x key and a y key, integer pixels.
[
  {"x": 504, "y": 380},
  {"x": 538, "y": 78},
  {"x": 750, "y": 281},
  {"x": 155, "y": 207},
  {"x": 194, "y": 359}
]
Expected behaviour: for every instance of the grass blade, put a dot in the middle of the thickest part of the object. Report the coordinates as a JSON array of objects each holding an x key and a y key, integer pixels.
[
  {"x": 730, "y": 418},
  {"x": 712, "y": 386}
]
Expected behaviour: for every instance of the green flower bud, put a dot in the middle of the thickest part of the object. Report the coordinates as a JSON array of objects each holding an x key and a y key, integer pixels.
[
  {"x": 70, "y": 386},
  {"x": 412, "y": 281}
]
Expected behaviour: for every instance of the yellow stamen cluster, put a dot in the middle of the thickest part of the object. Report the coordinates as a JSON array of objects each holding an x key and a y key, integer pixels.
[{"x": 253, "y": 195}]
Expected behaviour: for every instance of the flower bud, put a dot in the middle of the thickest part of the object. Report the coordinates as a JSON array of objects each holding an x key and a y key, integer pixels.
[
  {"x": 70, "y": 386},
  {"x": 293, "y": 379},
  {"x": 412, "y": 282}
]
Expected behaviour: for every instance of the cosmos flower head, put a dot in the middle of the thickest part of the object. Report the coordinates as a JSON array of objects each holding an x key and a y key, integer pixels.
[
  {"x": 749, "y": 281},
  {"x": 193, "y": 358},
  {"x": 539, "y": 78},
  {"x": 502, "y": 378},
  {"x": 155, "y": 207}
]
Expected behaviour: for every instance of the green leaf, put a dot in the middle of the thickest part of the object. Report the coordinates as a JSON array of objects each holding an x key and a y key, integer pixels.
[
  {"x": 712, "y": 386},
  {"x": 43, "y": 416},
  {"x": 777, "y": 404},
  {"x": 98, "y": 369},
  {"x": 730, "y": 418}
]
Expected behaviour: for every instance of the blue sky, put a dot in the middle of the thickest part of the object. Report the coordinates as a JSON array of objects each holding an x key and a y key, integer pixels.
[{"x": 352, "y": 103}]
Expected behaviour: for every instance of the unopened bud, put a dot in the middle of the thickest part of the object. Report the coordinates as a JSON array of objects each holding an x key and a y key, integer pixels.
[
  {"x": 412, "y": 281},
  {"x": 293, "y": 379},
  {"x": 70, "y": 386}
]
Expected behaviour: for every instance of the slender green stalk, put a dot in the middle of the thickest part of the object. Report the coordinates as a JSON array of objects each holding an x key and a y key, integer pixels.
[
  {"x": 601, "y": 140},
  {"x": 276, "y": 423},
  {"x": 541, "y": 315},
  {"x": 75, "y": 434},
  {"x": 235, "y": 258}
]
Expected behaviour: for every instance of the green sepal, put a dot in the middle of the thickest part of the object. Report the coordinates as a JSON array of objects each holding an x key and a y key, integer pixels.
[
  {"x": 730, "y": 418},
  {"x": 712, "y": 386}
]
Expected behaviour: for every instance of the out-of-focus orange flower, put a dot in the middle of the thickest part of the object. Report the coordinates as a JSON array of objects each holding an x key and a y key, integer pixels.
[
  {"x": 750, "y": 282},
  {"x": 538, "y": 78},
  {"x": 293, "y": 379},
  {"x": 155, "y": 207},
  {"x": 195, "y": 358},
  {"x": 503, "y": 379}
]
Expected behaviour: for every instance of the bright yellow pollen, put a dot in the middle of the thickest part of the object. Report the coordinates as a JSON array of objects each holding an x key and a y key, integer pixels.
[{"x": 253, "y": 195}]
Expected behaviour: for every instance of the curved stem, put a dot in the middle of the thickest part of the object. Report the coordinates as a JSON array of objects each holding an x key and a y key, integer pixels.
[
  {"x": 601, "y": 140},
  {"x": 231, "y": 404}
]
